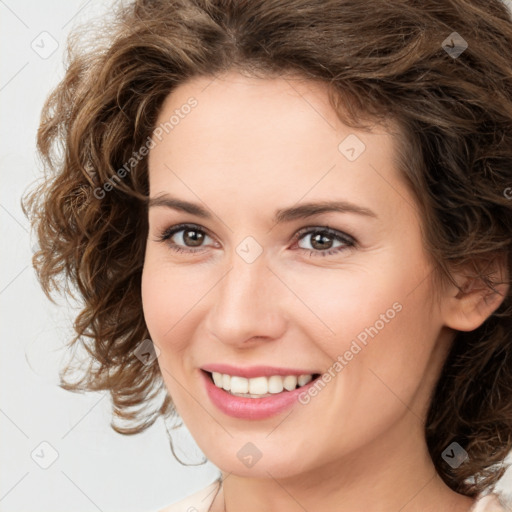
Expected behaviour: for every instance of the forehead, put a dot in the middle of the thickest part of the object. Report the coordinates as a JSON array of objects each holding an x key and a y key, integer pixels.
[{"x": 267, "y": 138}]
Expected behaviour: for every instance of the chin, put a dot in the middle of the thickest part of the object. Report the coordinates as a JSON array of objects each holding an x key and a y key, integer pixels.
[{"x": 258, "y": 460}]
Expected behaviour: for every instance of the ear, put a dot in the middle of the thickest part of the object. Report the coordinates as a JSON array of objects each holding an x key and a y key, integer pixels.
[{"x": 467, "y": 308}]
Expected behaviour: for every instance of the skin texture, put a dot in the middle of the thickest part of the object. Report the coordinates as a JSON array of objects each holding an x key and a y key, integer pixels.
[{"x": 252, "y": 146}]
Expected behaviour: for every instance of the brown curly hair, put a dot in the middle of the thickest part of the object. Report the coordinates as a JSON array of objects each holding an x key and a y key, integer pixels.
[{"x": 382, "y": 61}]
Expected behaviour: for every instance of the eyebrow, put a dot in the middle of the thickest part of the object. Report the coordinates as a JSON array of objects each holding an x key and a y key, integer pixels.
[{"x": 300, "y": 211}]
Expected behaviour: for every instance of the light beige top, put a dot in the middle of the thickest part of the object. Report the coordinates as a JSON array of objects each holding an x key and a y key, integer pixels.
[
  {"x": 197, "y": 502},
  {"x": 202, "y": 500}
]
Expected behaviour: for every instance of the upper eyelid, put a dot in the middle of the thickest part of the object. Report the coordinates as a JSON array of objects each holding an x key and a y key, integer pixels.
[
  {"x": 298, "y": 233},
  {"x": 332, "y": 231},
  {"x": 183, "y": 226}
]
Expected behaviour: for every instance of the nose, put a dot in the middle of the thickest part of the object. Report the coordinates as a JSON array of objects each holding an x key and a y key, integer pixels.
[{"x": 248, "y": 306}]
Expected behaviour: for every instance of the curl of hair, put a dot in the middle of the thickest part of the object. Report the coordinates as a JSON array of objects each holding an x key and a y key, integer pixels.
[{"x": 383, "y": 61}]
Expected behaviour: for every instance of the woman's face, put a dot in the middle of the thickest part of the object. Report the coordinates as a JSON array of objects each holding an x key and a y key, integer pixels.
[{"x": 254, "y": 287}]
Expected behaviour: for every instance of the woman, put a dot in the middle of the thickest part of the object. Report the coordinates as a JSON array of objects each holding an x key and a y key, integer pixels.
[{"x": 294, "y": 219}]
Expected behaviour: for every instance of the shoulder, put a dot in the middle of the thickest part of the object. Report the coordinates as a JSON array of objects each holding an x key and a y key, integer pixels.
[
  {"x": 488, "y": 503},
  {"x": 197, "y": 502}
]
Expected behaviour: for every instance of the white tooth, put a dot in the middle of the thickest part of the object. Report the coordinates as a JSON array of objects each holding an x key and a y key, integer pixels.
[
  {"x": 226, "y": 382},
  {"x": 304, "y": 379},
  {"x": 290, "y": 382},
  {"x": 239, "y": 385},
  {"x": 247, "y": 395},
  {"x": 217, "y": 379},
  {"x": 258, "y": 386},
  {"x": 275, "y": 384}
]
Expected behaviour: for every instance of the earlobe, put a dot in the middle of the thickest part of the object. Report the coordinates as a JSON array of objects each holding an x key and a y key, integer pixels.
[{"x": 467, "y": 308}]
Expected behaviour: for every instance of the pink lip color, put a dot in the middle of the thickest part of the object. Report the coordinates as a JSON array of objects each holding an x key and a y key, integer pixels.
[
  {"x": 254, "y": 371},
  {"x": 251, "y": 408}
]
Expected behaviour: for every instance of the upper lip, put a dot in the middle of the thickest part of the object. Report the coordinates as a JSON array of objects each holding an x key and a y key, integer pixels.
[{"x": 255, "y": 371}]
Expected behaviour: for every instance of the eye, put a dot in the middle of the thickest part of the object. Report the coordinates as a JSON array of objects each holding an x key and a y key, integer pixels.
[
  {"x": 322, "y": 241},
  {"x": 187, "y": 238}
]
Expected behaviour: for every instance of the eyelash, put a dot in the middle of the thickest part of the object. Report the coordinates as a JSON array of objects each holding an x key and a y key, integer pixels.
[{"x": 348, "y": 241}]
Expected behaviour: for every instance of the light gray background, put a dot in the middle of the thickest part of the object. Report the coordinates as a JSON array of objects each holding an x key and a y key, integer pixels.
[{"x": 96, "y": 468}]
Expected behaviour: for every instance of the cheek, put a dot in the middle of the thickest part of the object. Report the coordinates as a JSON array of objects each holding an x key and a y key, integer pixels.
[
  {"x": 377, "y": 320},
  {"x": 174, "y": 299},
  {"x": 360, "y": 302},
  {"x": 166, "y": 298},
  {"x": 395, "y": 365},
  {"x": 381, "y": 378}
]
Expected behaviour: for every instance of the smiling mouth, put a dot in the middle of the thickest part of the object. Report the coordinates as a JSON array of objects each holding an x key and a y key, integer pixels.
[{"x": 259, "y": 387}]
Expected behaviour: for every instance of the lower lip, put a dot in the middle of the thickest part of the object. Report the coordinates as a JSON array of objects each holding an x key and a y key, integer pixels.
[{"x": 251, "y": 408}]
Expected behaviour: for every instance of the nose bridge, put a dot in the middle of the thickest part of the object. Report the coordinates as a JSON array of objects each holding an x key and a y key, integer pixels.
[{"x": 246, "y": 301}]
